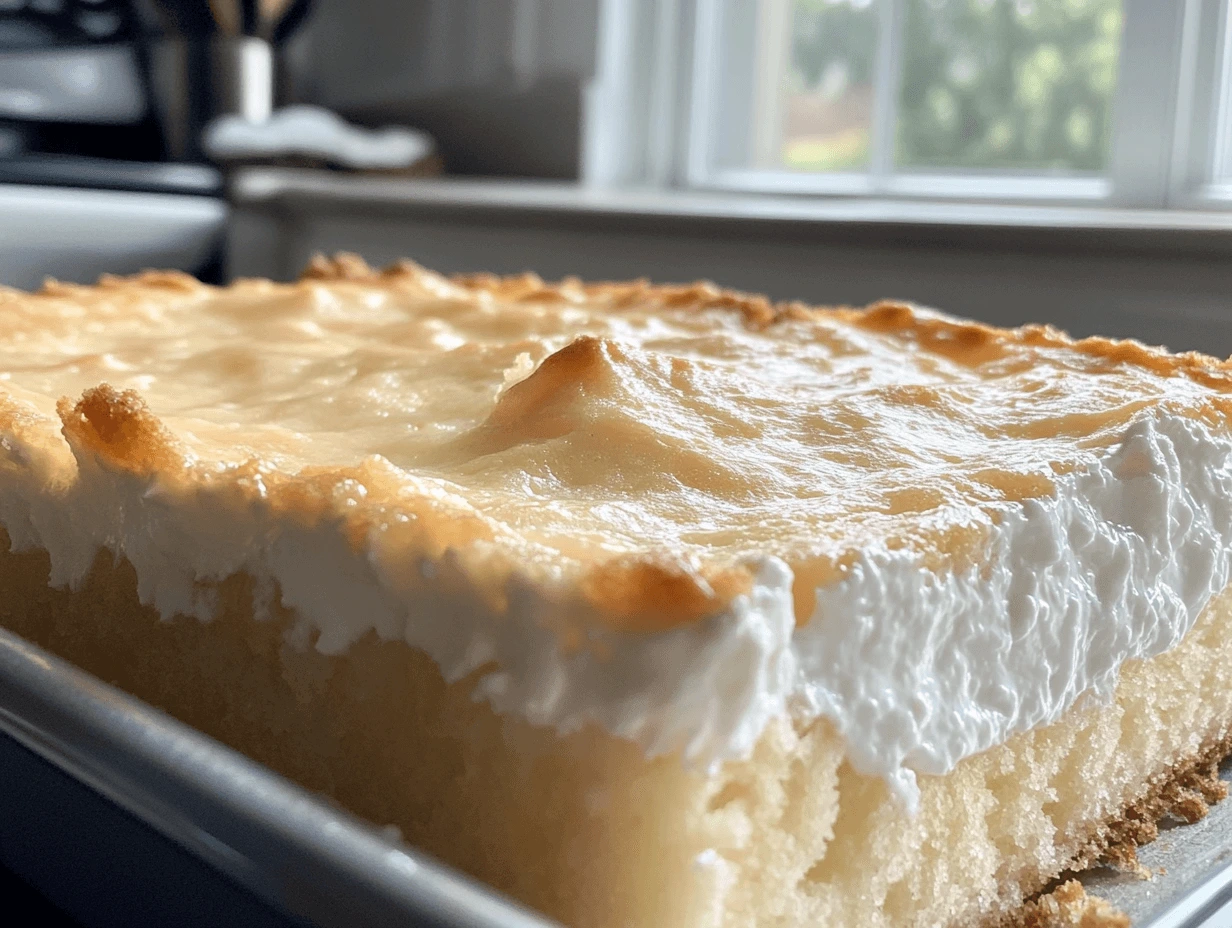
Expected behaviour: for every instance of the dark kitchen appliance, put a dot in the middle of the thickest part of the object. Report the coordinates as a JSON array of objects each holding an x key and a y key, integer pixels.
[
  {"x": 86, "y": 186},
  {"x": 74, "y": 79}
]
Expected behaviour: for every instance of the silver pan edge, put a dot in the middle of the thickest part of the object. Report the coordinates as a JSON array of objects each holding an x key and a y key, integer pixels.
[{"x": 289, "y": 847}]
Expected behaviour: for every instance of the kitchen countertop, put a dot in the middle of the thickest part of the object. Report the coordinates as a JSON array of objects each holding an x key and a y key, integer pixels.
[{"x": 77, "y": 234}]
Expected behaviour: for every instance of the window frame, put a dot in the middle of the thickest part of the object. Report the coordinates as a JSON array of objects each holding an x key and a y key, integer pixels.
[{"x": 1173, "y": 152}]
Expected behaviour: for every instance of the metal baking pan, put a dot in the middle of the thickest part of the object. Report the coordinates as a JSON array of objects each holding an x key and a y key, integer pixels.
[
  {"x": 310, "y": 863},
  {"x": 1190, "y": 885}
]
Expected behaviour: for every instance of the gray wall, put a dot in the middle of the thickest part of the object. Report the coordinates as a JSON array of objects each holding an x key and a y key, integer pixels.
[{"x": 498, "y": 82}]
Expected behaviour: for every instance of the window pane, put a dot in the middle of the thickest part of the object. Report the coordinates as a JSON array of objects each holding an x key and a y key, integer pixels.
[
  {"x": 1007, "y": 83},
  {"x": 827, "y": 114}
]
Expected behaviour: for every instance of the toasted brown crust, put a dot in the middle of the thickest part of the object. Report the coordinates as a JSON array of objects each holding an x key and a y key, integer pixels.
[
  {"x": 1186, "y": 790},
  {"x": 1070, "y": 906}
]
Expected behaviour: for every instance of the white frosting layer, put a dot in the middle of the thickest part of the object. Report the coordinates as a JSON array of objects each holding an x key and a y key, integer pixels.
[{"x": 917, "y": 669}]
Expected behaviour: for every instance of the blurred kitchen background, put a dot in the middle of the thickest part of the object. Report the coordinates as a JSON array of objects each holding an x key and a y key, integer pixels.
[{"x": 1067, "y": 161}]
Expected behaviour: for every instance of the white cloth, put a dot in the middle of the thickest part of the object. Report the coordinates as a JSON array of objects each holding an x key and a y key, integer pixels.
[{"x": 316, "y": 133}]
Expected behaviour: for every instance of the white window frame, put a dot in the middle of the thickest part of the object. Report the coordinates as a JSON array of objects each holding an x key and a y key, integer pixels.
[
  {"x": 1202, "y": 156},
  {"x": 653, "y": 110}
]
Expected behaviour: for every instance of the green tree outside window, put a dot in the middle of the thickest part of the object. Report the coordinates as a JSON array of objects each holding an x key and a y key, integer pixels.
[{"x": 984, "y": 84}]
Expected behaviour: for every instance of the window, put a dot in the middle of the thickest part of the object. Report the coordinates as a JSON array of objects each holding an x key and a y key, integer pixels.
[
  {"x": 1123, "y": 102},
  {"x": 972, "y": 84}
]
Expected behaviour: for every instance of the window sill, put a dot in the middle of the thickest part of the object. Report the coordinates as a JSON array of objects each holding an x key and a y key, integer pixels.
[
  {"x": 982, "y": 225},
  {"x": 938, "y": 187}
]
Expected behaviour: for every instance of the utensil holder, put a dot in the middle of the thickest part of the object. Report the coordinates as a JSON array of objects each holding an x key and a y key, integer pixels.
[{"x": 197, "y": 80}]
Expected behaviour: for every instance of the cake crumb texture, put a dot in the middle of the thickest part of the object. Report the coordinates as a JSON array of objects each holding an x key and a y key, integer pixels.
[
  {"x": 1186, "y": 793},
  {"x": 1070, "y": 906}
]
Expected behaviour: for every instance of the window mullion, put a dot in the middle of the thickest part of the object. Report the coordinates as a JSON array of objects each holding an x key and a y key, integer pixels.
[
  {"x": 772, "y": 62},
  {"x": 1145, "y": 107},
  {"x": 1192, "y": 125},
  {"x": 636, "y": 107},
  {"x": 1219, "y": 141},
  {"x": 886, "y": 91},
  {"x": 703, "y": 107},
  {"x": 669, "y": 79}
]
